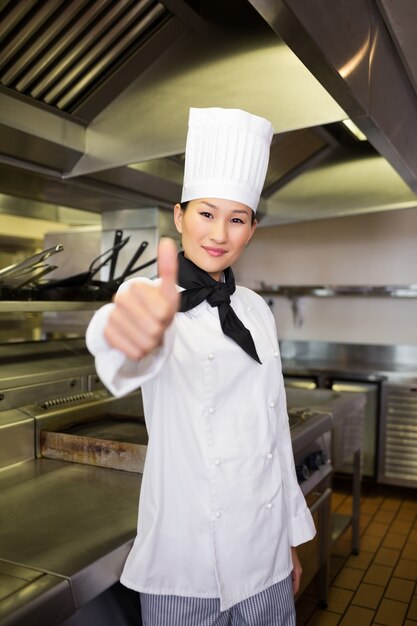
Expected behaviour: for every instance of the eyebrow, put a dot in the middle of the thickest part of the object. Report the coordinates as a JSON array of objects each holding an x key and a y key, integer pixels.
[{"x": 213, "y": 206}]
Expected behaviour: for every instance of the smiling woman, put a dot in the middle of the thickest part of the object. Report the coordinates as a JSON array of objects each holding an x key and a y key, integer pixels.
[
  {"x": 214, "y": 232},
  {"x": 220, "y": 508}
]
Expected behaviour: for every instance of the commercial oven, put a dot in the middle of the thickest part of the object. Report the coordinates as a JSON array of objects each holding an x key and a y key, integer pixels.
[
  {"x": 372, "y": 388},
  {"x": 398, "y": 434}
]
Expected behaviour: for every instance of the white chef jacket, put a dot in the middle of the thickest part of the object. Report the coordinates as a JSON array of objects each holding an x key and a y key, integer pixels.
[{"x": 220, "y": 505}]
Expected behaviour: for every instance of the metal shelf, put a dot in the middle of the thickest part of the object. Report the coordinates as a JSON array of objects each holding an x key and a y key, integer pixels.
[
  {"x": 340, "y": 523},
  {"x": 37, "y": 306},
  {"x": 328, "y": 291}
]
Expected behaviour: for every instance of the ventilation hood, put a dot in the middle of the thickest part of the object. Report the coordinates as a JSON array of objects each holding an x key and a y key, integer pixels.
[{"x": 94, "y": 99}]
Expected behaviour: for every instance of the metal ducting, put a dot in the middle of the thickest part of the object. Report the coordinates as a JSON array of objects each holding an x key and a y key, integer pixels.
[
  {"x": 60, "y": 52},
  {"x": 94, "y": 98}
]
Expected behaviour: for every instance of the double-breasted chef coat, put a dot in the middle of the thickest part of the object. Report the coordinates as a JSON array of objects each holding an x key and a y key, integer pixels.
[{"x": 220, "y": 505}]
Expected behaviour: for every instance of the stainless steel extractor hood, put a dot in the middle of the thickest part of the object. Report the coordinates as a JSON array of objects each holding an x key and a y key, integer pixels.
[{"x": 94, "y": 97}]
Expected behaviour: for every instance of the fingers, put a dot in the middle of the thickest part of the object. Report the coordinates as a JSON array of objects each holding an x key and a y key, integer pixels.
[
  {"x": 135, "y": 340},
  {"x": 296, "y": 572},
  {"x": 296, "y": 579},
  {"x": 143, "y": 311},
  {"x": 134, "y": 321},
  {"x": 168, "y": 269}
]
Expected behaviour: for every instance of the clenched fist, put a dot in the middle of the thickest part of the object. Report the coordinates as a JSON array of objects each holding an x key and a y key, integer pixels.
[{"x": 142, "y": 312}]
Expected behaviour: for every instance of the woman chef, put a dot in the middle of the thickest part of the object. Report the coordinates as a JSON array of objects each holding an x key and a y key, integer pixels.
[{"x": 220, "y": 508}]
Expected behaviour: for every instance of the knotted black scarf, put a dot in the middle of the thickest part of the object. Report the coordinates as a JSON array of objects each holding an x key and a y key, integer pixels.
[{"x": 199, "y": 286}]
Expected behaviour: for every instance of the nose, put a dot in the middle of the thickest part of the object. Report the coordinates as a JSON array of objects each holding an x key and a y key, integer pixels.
[{"x": 218, "y": 232}]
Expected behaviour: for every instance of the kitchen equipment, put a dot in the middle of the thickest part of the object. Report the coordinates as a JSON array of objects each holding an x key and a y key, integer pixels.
[
  {"x": 53, "y": 405},
  {"x": 354, "y": 369},
  {"x": 129, "y": 267},
  {"x": 83, "y": 286},
  {"x": 23, "y": 280},
  {"x": 67, "y": 527},
  {"x": 118, "y": 235},
  {"x": 27, "y": 264},
  {"x": 345, "y": 411},
  {"x": 23, "y": 277},
  {"x": 398, "y": 434},
  {"x": 84, "y": 279},
  {"x": 114, "y": 441}
]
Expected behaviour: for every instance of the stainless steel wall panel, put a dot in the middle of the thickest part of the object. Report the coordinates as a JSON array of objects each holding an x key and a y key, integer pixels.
[
  {"x": 31, "y": 363},
  {"x": 17, "y": 436},
  {"x": 19, "y": 396}
]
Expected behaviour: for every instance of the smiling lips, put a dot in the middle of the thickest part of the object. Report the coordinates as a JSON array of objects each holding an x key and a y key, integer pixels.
[{"x": 214, "y": 251}]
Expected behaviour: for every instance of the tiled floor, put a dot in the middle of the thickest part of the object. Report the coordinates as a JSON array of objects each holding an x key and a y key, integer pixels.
[{"x": 379, "y": 586}]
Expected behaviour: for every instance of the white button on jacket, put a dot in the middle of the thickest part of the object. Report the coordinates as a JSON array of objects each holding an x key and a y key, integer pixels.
[{"x": 205, "y": 530}]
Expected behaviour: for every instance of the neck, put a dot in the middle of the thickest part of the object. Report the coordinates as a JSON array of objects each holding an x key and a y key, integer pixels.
[{"x": 217, "y": 276}]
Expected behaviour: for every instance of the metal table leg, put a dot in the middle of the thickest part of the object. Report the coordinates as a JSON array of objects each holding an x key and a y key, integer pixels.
[{"x": 356, "y": 502}]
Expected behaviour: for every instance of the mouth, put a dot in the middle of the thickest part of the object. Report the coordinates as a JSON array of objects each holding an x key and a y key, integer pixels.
[{"x": 214, "y": 251}]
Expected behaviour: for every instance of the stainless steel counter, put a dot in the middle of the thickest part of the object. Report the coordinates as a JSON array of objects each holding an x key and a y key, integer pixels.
[
  {"x": 71, "y": 527},
  {"x": 68, "y": 526},
  {"x": 29, "y": 596},
  {"x": 359, "y": 361},
  {"x": 387, "y": 374}
]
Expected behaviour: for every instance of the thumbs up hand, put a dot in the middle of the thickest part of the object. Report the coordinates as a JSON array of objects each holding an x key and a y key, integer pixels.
[{"x": 142, "y": 312}]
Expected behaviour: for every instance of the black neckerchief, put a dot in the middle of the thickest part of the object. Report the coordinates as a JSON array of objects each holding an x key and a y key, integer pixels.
[{"x": 199, "y": 286}]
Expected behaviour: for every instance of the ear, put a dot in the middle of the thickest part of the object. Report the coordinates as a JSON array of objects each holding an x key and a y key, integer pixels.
[
  {"x": 252, "y": 230},
  {"x": 178, "y": 215}
]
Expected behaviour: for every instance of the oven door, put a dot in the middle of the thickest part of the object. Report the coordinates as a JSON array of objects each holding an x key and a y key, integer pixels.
[{"x": 314, "y": 555}]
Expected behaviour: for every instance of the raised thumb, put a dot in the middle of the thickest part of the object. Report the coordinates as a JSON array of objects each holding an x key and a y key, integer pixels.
[{"x": 168, "y": 266}]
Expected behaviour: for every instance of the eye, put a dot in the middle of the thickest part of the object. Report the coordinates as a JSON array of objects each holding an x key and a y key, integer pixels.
[
  {"x": 237, "y": 220},
  {"x": 206, "y": 214}
]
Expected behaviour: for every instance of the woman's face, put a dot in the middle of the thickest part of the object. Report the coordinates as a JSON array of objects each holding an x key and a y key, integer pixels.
[{"x": 214, "y": 232}]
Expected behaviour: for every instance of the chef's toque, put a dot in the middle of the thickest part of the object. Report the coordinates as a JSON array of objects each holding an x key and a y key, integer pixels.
[{"x": 226, "y": 155}]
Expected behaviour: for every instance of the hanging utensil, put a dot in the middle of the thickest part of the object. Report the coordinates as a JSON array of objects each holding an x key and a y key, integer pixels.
[
  {"x": 36, "y": 276},
  {"x": 129, "y": 267},
  {"x": 30, "y": 262},
  {"x": 118, "y": 281},
  {"x": 84, "y": 278},
  {"x": 118, "y": 235}
]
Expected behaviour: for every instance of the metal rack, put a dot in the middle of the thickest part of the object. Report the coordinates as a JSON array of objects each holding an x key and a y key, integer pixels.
[
  {"x": 332, "y": 291},
  {"x": 38, "y": 306},
  {"x": 295, "y": 292}
]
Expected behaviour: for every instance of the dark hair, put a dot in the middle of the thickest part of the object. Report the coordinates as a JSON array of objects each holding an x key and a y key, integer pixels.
[{"x": 184, "y": 205}]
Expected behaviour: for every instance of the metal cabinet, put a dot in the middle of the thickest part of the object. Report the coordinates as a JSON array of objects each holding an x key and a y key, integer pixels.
[{"x": 398, "y": 437}]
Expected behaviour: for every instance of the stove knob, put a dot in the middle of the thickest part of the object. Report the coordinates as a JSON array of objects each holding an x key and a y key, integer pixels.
[
  {"x": 302, "y": 472},
  {"x": 315, "y": 460}
]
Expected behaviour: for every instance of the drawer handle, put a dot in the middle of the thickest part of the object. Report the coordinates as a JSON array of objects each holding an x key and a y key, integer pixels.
[{"x": 317, "y": 504}]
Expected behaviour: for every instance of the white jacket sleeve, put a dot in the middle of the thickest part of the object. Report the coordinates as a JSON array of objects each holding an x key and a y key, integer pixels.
[{"x": 117, "y": 372}]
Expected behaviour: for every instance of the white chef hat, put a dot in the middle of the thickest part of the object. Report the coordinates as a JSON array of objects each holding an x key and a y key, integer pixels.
[{"x": 226, "y": 155}]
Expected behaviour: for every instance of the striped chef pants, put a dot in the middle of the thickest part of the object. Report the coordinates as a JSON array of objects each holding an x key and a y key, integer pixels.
[{"x": 272, "y": 607}]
